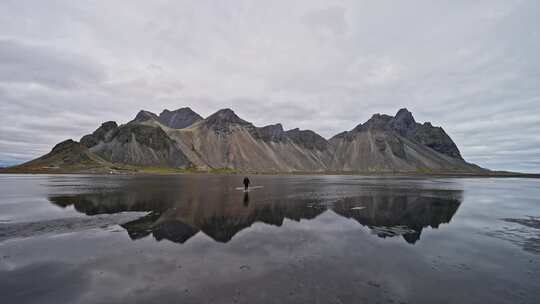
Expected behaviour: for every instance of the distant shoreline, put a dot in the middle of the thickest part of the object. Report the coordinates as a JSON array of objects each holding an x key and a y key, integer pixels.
[{"x": 172, "y": 171}]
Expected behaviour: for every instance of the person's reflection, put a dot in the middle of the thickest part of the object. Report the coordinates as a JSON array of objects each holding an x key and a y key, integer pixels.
[{"x": 246, "y": 199}]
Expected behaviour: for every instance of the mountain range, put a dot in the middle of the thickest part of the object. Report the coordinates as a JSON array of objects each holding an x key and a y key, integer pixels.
[{"x": 183, "y": 140}]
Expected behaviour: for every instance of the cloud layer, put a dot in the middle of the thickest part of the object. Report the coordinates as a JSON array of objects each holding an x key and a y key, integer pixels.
[{"x": 472, "y": 67}]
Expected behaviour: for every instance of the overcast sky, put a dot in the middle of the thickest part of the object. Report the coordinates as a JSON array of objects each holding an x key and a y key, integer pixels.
[{"x": 472, "y": 67}]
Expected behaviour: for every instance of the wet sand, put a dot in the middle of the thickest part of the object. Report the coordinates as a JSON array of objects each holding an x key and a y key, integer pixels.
[{"x": 296, "y": 239}]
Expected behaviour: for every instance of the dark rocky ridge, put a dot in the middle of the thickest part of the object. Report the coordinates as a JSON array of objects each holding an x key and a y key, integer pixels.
[
  {"x": 404, "y": 125},
  {"x": 68, "y": 144},
  {"x": 376, "y": 122},
  {"x": 436, "y": 138},
  {"x": 179, "y": 119},
  {"x": 307, "y": 139},
  {"x": 104, "y": 133},
  {"x": 144, "y": 116},
  {"x": 223, "y": 120},
  {"x": 224, "y": 117},
  {"x": 274, "y": 133}
]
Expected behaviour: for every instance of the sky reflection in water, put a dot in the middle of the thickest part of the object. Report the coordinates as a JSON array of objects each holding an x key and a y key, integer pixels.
[{"x": 196, "y": 239}]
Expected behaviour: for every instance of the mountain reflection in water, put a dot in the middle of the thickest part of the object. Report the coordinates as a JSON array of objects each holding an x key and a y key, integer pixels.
[{"x": 178, "y": 213}]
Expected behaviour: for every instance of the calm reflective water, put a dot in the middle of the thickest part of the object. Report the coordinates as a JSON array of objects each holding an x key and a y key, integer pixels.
[{"x": 297, "y": 239}]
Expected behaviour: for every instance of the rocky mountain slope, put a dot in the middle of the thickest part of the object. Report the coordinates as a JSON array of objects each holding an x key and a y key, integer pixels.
[
  {"x": 67, "y": 156},
  {"x": 386, "y": 143},
  {"x": 183, "y": 139}
]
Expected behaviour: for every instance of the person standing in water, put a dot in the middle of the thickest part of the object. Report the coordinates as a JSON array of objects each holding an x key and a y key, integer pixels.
[{"x": 246, "y": 183}]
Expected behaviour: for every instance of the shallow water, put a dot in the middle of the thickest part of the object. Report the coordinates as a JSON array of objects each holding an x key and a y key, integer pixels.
[{"x": 296, "y": 239}]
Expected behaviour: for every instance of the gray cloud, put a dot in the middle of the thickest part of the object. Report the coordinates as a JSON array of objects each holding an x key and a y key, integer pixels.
[
  {"x": 471, "y": 67},
  {"x": 43, "y": 65}
]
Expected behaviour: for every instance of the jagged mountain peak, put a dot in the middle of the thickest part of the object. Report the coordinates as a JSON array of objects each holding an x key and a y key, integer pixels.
[
  {"x": 108, "y": 125},
  {"x": 225, "y": 121},
  {"x": 293, "y": 131},
  {"x": 403, "y": 122},
  {"x": 225, "y": 116},
  {"x": 225, "y": 113},
  {"x": 404, "y": 112},
  {"x": 274, "y": 129},
  {"x": 186, "y": 110},
  {"x": 180, "y": 118},
  {"x": 378, "y": 119},
  {"x": 273, "y": 132},
  {"x": 307, "y": 138},
  {"x": 276, "y": 126},
  {"x": 405, "y": 116},
  {"x": 376, "y": 122},
  {"x": 144, "y": 115},
  {"x": 105, "y": 132}
]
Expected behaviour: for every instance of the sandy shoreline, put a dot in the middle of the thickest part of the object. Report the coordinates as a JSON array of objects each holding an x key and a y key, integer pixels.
[{"x": 170, "y": 171}]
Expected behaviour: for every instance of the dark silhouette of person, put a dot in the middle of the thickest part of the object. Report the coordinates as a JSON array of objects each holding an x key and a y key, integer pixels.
[
  {"x": 246, "y": 199},
  {"x": 246, "y": 183}
]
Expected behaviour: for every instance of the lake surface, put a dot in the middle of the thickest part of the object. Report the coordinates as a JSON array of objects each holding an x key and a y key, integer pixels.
[{"x": 296, "y": 239}]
